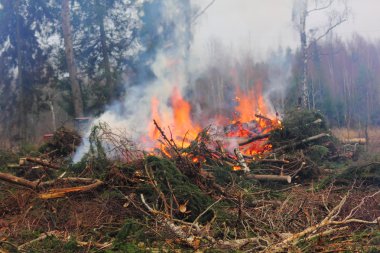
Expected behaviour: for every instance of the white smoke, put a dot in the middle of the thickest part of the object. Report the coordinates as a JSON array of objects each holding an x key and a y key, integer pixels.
[{"x": 133, "y": 114}]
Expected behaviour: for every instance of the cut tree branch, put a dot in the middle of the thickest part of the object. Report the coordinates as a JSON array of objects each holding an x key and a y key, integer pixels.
[
  {"x": 9, "y": 178},
  {"x": 256, "y": 138},
  {"x": 53, "y": 193},
  {"x": 313, "y": 138}
]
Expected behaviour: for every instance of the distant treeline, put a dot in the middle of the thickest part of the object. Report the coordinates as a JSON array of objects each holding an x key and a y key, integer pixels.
[{"x": 343, "y": 79}]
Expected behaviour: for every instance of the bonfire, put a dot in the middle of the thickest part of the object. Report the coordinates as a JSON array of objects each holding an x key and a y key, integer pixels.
[{"x": 197, "y": 185}]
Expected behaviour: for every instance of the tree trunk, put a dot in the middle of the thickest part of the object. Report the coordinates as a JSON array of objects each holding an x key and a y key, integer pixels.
[
  {"x": 69, "y": 51},
  {"x": 103, "y": 41},
  {"x": 304, "y": 48},
  {"x": 22, "y": 126},
  {"x": 53, "y": 117}
]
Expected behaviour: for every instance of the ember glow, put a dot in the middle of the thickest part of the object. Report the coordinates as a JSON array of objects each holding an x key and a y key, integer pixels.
[{"x": 251, "y": 119}]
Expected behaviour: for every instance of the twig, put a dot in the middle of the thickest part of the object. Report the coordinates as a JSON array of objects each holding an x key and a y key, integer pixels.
[
  {"x": 205, "y": 211},
  {"x": 329, "y": 220},
  {"x": 170, "y": 143},
  {"x": 191, "y": 240},
  {"x": 40, "y": 238},
  {"x": 202, "y": 11}
]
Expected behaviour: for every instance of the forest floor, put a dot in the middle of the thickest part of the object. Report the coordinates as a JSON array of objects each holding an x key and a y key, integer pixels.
[{"x": 172, "y": 203}]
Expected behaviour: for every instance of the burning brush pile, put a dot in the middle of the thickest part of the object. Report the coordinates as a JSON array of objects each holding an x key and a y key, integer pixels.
[
  {"x": 246, "y": 185},
  {"x": 252, "y": 140}
]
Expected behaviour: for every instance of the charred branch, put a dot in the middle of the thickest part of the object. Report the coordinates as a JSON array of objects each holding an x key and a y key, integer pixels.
[{"x": 253, "y": 139}]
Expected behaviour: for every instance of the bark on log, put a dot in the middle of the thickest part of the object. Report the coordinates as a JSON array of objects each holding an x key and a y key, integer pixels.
[{"x": 17, "y": 180}]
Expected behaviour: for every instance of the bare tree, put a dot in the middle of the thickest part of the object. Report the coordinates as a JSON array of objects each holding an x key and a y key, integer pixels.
[{"x": 301, "y": 13}]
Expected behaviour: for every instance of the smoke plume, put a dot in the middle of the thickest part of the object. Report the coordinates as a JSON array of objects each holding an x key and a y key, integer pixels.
[{"x": 166, "y": 38}]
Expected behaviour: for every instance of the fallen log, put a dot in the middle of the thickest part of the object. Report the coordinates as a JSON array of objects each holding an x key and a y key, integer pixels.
[
  {"x": 313, "y": 138},
  {"x": 9, "y": 178},
  {"x": 361, "y": 141},
  {"x": 42, "y": 162}
]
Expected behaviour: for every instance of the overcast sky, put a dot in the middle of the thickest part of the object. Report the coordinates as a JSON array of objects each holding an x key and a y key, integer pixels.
[{"x": 263, "y": 25}]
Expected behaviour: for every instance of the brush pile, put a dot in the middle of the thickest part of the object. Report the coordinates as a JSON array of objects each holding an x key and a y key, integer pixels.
[{"x": 201, "y": 197}]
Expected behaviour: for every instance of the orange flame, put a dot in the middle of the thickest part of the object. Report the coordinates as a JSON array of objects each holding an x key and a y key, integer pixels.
[
  {"x": 179, "y": 120},
  {"x": 252, "y": 118},
  {"x": 250, "y": 103}
]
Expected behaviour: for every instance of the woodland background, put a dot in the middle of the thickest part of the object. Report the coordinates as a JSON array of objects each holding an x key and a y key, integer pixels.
[{"x": 113, "y": 43}]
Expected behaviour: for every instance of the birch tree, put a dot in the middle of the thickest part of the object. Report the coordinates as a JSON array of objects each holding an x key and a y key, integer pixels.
[{"x": 335, "y": 12}]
